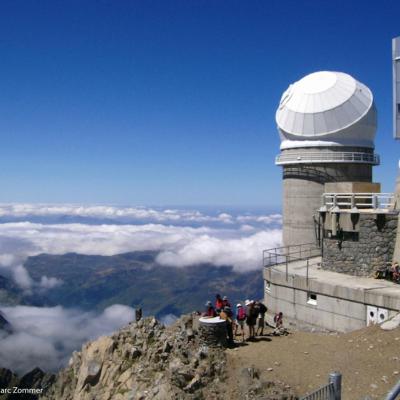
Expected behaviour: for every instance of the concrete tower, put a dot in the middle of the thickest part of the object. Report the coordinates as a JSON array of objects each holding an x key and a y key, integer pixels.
[{"x": 327, "y": 126}]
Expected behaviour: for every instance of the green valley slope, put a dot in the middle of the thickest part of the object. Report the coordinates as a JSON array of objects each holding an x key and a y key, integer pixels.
[{"x": 135, "y": 279}]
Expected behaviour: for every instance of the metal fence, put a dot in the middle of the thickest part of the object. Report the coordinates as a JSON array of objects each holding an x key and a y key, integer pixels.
[
  {"x": 284, "y": 255},
  {"x": 331, "y": 391}
]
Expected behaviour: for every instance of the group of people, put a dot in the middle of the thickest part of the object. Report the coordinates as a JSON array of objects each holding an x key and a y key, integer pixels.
[
  {"x": 390, "y": 271},
  {"x": 252, "y": 313}
]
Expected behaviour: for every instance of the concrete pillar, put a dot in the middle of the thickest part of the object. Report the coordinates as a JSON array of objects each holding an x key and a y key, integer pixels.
[
  {"x": 213, "y": 332},
  {"x": 303, "y": 186}
]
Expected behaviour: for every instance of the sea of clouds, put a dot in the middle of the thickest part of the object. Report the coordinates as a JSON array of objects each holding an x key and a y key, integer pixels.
[{"x": 182, "y": 237}]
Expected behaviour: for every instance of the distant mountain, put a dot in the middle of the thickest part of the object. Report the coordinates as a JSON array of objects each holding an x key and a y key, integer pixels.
[
  {"x": 137, "y": 280},
  {"x": 10, "y": 293},
  {"x": 5, "y": 325}
]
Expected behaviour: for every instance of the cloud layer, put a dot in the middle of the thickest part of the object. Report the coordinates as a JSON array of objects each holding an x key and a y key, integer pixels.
[
  {"x": 46, "y": 337},
  {"x": 239, "y": 241}
]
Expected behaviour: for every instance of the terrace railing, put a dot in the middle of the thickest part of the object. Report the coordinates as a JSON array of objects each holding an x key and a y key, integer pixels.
[
  {"x": 362, "y": 201},
  {"x": 284, "y": 255}
]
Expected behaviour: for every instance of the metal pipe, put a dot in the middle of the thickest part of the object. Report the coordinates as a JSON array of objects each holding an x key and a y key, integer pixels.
[
  {"x": 287, "y": 272},
  {"x": 394, "y": 392},
  {"x": 335, "y": 378}
]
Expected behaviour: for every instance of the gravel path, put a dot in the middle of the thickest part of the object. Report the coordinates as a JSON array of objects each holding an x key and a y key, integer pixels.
[{"x": 369, "y": 360}]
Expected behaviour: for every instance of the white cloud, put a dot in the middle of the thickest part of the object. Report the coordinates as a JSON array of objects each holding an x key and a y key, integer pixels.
[
  {"x": 45, "y": 337},
  {"x": 242, "y": 253},
  {"x": 179, "y": 246},
  {"x": 127, "y": 214},
  {"x": 49, "y": 283}
]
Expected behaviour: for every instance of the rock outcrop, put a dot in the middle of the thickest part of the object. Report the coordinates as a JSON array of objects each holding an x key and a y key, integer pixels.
[{"x": 144, "y": 360}]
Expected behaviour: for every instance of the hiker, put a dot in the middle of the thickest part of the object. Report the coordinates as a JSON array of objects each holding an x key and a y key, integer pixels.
[
  {"x": 262, "y": 309},
  {"x": 219, "y": 303},
  {"x": 138, "y": 314},
  {"x": 395, "y": 270},
  {"x": 225, "y": 302},
  {"x": 226, "y": 314},
  {"x": 240, "y": 318},
  {"x": 279, "y": 329},
  {"x": 210, "y": 312},
  {"x": 251, "y": 318}
]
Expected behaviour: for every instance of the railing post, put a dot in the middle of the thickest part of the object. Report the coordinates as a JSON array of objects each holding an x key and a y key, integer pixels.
[
  {"x": 335, "y": 378},
  {"x": 394, "y": 392},
  {"x": 374, "y": 201},
  {"x": 287, "y": 270},
  {"x": 353, "y": 203},
  {"x": 307, "y": 271}
]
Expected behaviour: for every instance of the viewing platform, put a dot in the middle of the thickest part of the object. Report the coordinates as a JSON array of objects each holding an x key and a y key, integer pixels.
[{"x": 311, "y": 296}]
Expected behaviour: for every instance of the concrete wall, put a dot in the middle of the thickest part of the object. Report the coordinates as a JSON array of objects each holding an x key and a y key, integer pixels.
[
  {"x": 328, "y": 314},
  {"x": 303, "y": 186},
  {"x": 337, "y": 308},
  {"x": 374, "y": 247}
]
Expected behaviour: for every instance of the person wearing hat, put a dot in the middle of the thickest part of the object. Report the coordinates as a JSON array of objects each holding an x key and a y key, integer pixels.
[
  {"x": 251, "y": 318},
  {"x": 240, "y": 318},
  {"x": 226, "y": 314},
  {"x": 210, "y": 312},
  {"x": 225, "y": 302}
]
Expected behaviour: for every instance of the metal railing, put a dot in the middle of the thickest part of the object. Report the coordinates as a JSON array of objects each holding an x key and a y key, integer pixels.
[
  {"x": 280, "y": 255},
  {"x": 331, "y": 391},
  {"x": 358, "y": 200},
  {"x": 287, "y": 254},
  {"x": 327, "y": 157},
  {"x": 394, "y": 392}
]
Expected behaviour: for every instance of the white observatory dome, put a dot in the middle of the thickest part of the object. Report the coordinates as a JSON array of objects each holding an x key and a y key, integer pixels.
[{"x": 327, "y": 109}]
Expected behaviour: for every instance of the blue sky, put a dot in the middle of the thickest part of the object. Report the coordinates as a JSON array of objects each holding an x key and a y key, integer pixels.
[{"x": 172, "y": 102}]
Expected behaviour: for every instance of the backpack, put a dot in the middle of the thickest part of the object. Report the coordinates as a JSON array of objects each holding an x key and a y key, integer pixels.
[{"x": 241, "y": 315}]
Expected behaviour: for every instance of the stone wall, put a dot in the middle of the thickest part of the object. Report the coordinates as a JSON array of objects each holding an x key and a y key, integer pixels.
[{"x": 362, "y": 257}]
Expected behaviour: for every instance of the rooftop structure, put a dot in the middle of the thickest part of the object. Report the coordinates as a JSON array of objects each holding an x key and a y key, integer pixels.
[
  {"x": 327, "y": 125},
  {"x": 327, "y": 109}
]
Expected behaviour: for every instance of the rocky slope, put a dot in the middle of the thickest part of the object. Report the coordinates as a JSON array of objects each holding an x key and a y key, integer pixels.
[
  {"x": 26, "y": 387},
  {"x": 147, "y": 360}
]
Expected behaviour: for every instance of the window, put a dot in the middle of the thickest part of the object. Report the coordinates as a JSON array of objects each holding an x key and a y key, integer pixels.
[
  {"x": 312, "y": 299},
  {"x": 267, "y": 287}
]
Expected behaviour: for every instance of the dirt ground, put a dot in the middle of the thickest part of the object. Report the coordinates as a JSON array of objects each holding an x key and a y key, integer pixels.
[{"x": 369, "y": 360}]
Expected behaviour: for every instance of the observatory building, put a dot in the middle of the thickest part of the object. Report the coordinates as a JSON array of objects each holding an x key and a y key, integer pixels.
[
  {"x": 339, "y": 230},
  {"x": 327, "y": 126}
]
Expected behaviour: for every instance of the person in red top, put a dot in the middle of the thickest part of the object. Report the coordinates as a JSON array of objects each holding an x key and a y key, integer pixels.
[
  {"x": 210, "y": 312},
  {"x": 219, "y": 303}
]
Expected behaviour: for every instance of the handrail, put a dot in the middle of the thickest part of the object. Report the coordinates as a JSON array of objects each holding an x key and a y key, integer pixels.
[
  {"x": 330, "y": 391},
  {"x": 287, "y": 254},
  {"x": 301, "y": 157},
  {"x": 358, "y": 200}
]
